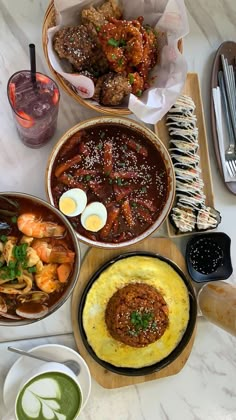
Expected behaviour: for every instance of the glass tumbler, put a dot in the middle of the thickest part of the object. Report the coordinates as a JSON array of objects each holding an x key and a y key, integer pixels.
[
  {"x": 34, "y": 102},
  {"x": 217, "y": 303}
]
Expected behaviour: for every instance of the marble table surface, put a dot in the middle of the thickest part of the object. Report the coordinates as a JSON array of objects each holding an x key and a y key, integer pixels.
[{"x": 205, "y": 389}]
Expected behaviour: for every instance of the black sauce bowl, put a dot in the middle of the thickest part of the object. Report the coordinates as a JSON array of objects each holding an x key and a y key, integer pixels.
[
  {"x": 180, "y": 346},
  {"x": 208, "y": 257}
]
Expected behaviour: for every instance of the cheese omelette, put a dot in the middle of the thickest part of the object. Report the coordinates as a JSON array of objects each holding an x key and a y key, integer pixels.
[{"x": 136, "y": 269}]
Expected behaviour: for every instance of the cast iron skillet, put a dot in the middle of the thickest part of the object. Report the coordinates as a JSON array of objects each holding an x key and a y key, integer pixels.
[{"x": 175, "y": 353}]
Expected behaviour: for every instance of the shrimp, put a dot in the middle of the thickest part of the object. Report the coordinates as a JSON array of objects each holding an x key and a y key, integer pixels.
[
  {"x": 30, "y": 225},
  {"x": 51, "y": 251},
  {"x": 47, "y": 279}
]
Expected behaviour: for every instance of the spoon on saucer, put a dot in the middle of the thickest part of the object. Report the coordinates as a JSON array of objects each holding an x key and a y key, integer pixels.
[{"x": 71, "y": 364}]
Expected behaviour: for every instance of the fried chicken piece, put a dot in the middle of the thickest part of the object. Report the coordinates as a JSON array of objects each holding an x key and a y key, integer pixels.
[
  {"x": 80, "y": 46},
  {"x": 122, "y": 43},
  {"x": 137, "y": 83},
  {"x": 110, "y": 9},
  {"x": 99, "y": 16},
  {"x": 149, "y": 51},
  {"x": 111, "y": 89}
]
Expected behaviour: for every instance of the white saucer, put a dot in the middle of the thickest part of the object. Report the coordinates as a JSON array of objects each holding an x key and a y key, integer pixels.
[{"x": 25, "y": 364}]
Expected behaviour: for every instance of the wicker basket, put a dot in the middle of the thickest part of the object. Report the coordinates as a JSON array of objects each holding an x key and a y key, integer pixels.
[{"x": 49, "y": 21}]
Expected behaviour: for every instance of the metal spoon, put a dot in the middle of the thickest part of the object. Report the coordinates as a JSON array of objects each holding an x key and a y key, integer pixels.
[{"x": 71, "y": 364}]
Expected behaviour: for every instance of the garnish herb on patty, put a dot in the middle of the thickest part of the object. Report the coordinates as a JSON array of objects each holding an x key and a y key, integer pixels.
[{"x": 141, "y": 320}]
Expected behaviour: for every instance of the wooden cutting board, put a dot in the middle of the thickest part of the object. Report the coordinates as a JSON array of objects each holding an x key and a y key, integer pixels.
[
  {"x": 192, "y": 89},
  {"x": 94, "y": 258}
]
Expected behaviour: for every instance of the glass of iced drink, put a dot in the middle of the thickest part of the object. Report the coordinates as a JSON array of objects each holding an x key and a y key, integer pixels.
[
  {"x": 217, "y": 303},
  {"x": 34, "y": 102}
]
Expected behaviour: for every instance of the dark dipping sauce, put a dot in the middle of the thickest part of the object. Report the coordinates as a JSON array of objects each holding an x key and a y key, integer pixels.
[
  {"x": 120, "y": 168},
  {"x": 206, "y": 256},
  {"x": 9, "y": 230}
]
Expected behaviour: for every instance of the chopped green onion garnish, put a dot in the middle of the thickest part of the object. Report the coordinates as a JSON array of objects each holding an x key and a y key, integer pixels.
[
  {"x": 3, "y": 238},
  {"x": 122, "y": 43},
  {"x": 139, "y": 92},
  {"x": 32, "y": 269},
  {"x": 131, "y": 78},
  {"x": 14, "y": 219},
  {"x": 12, "y": 264},
  {"x": 113, "y": 42}
]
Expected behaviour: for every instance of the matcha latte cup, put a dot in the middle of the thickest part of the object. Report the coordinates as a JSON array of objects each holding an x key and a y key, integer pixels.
[{"x": 49, "y": 392}]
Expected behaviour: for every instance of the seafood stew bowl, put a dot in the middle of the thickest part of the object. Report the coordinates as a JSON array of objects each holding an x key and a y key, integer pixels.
[
  {"x": 39, "y": 259},
  {"x": 123, "y": 166}
]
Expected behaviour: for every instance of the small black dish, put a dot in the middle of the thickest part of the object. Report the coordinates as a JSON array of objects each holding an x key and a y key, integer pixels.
[
  {"x": 180, "y": 346},
  {"x": 208, "y": 257}
]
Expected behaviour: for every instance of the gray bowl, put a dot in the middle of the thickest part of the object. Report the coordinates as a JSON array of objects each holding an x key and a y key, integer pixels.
[{"x": 14, "y": 195}]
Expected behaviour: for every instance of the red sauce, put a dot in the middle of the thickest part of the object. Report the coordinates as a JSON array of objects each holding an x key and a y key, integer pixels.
[
  {"x": 26, "y": 205},
  {"x": 120, "y": 168}
]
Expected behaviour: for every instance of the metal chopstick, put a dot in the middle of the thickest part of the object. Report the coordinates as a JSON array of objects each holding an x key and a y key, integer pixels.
[
  {"x": 230, "y": 93},
  {"x": 226, "y": 106}
]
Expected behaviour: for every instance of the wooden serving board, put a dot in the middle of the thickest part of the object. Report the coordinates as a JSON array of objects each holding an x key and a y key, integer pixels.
[
  {"x": 94, "y": 258},
  {"x": 192, "y": 89}
]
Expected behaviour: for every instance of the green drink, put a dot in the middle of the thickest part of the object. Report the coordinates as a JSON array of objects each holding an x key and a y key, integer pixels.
[{"x": 49, "y": 396}]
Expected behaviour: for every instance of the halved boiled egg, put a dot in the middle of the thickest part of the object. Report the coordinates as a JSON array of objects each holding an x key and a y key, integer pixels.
[
  {"x": 94, "y": 216},
  {"x": 73, "y": 202}
]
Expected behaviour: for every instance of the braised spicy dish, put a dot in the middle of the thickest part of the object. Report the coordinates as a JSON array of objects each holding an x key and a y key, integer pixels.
[
  {"x": 36, "y": 259},
  {"x": 123, "y": 176}
]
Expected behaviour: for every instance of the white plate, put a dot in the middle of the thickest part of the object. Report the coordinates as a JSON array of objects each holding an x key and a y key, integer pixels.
[{"x": 25, "y": 364}]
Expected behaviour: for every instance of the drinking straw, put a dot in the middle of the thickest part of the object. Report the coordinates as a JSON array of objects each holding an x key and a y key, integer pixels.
[{"x": 32, "y": 63}]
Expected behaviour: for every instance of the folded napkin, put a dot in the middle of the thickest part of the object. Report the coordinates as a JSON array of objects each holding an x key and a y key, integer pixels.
[{"x": 222, "y": 131}]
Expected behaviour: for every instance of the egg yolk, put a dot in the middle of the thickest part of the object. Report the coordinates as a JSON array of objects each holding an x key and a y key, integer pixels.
[
  {"x": 67, "y": 205},
  {"x": 93, "y": 223}
]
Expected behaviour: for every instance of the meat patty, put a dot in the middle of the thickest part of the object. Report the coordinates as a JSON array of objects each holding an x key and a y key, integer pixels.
[
  {"x": 80, "y": 46},
  {"x": 136, "y": 315},
  {"x": 112, "y": 88}
]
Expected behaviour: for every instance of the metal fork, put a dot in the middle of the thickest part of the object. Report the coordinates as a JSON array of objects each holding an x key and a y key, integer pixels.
[{"x": 230, "y": 154}]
